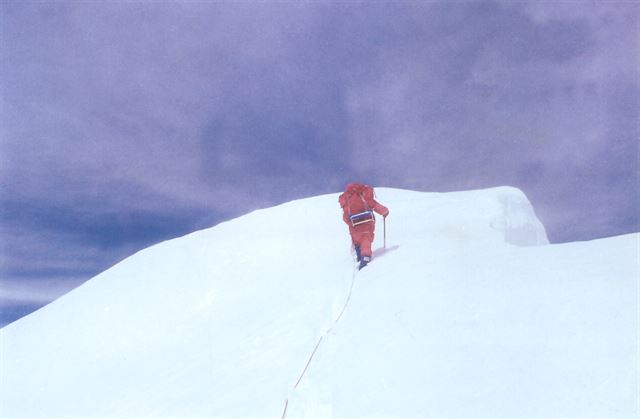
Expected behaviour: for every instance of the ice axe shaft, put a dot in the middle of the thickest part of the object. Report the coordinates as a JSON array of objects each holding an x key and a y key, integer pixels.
[{"x": 384, "y": 229}]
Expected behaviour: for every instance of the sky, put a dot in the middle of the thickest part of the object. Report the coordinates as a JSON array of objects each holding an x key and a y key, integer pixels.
[{"x": 127, "y": 123}]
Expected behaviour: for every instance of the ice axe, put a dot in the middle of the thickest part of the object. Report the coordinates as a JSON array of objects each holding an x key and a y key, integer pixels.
[{"x": 384, "y": 230}]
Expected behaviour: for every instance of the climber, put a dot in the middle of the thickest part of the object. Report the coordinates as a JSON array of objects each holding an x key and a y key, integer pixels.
[{"x": 358, "y": 203}]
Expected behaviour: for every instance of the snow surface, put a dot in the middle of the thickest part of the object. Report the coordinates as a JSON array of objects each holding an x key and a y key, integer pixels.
[{"x": 265, "y": 316}]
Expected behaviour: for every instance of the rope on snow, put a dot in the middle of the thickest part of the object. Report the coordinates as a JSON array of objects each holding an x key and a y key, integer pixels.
[{"x": 344, "y": 308}]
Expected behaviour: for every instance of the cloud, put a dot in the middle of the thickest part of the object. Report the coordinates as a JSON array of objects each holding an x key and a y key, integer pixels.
[
  {"x": 138, "y": 103},
  {"x": 508, "y": 99},
  {"x": 18, "y": 293},
  {"x": 193, "y": 104}
]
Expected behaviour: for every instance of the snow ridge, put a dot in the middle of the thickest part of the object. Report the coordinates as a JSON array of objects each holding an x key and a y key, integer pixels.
[{"x": 467, "y": 313}]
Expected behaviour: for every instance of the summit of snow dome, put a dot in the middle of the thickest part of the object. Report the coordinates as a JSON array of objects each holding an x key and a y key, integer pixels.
[{"x": 266, "y": 315}]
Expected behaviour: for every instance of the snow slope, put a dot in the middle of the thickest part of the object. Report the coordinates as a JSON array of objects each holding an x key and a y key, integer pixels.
[{"x": 266, "y": 315}]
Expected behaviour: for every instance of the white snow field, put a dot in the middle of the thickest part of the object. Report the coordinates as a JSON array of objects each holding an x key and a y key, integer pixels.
[{"x": 265, "y": 316}]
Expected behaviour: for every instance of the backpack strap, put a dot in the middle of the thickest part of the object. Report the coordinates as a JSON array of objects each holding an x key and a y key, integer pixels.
[{"x": 361, "y": 218}]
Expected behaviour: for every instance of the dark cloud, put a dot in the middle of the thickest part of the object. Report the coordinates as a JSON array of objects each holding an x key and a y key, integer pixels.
[{"x": 126, "y": 123}]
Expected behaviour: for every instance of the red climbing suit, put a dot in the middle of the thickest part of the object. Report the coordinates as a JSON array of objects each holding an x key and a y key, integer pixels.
[{"x": 358, "y": 199}]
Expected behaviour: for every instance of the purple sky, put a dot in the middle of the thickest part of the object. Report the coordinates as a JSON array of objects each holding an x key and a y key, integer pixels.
[{"x": 128, "y": 123}]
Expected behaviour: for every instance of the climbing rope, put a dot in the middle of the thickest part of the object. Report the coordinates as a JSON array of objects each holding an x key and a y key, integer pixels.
[{"x": 344, "y": 308}]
